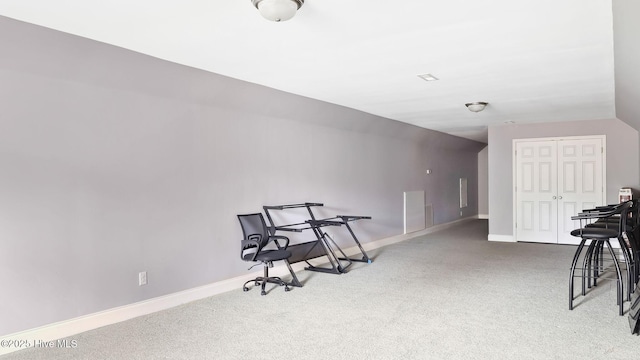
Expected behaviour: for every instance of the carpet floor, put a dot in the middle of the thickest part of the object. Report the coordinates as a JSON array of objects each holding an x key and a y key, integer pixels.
[{"x": 446, "y": 295}]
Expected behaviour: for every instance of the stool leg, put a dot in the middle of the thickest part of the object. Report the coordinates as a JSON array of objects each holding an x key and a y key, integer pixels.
[
  {"x": 599, "y": 260},
  {"x": 628, "y": 261},
  {"x": 587, "y": 266},
  {"x": 619, "y": 275},
  {"x": 573, "y": 270}
]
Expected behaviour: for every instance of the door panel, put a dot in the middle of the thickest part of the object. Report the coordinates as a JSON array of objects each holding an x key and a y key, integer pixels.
[
  {"x": 581, "y": 182},
  {"x": 536, "y": 185},
  {"x": 546, "y": 214}
]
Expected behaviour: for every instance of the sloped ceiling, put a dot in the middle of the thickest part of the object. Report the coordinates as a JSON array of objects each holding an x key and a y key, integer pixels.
[{"x": 532, "y": 60}]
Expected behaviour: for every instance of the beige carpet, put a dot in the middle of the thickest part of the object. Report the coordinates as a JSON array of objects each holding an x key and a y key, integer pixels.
[{"x": 448, "y": 295}]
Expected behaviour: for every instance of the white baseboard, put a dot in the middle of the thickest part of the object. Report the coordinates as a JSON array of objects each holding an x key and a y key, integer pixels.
[
  {"x": 501, "y": 238},
  {"x": 67, "y": 328},
  {"x": 81, "y": 324},
  {"x": 483, "y": 216}
]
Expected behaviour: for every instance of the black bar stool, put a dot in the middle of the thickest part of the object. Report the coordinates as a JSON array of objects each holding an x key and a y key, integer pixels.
[{"x": 599, "y": 236}]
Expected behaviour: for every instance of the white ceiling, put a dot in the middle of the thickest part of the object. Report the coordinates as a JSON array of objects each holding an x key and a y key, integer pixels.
[{"x": 532, "y": 60}]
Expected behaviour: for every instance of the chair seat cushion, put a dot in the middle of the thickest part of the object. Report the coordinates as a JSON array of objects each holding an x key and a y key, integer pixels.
[
  {"x": 595, "y": 233},
  {"x": 273, "y": 255}
]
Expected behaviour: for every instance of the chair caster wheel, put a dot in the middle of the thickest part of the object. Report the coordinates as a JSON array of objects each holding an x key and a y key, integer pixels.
[
  {"x": 257, "y": 283},
  {"x": 263, "y": 292},
  {"x": 286, "y": 288},
  {"x": 245, "y": 289}
]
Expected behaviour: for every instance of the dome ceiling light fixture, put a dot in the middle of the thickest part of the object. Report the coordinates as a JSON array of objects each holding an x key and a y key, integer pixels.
[
  {"x": 476, "y": 106},
  {"x": 277, "y": 10}
]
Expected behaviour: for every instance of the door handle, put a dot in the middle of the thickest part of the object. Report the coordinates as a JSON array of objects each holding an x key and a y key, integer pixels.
[
  {"x": 555, "y": 197},
  {"x": 560, "y": 197}
]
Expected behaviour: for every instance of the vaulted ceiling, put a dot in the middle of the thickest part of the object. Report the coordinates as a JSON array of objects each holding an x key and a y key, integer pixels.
[{"x": 532, "y": 60}]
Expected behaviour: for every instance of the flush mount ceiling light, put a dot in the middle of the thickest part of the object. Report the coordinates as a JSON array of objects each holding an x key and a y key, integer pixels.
[
  {"x": 476, "y": 106},
  {"x": 277, "y": 10}
]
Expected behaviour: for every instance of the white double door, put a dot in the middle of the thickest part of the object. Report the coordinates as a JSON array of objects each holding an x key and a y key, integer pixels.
[{"x": 556, "y": 179}]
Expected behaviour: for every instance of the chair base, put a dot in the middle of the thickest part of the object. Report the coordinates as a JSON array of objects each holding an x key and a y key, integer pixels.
[{"x": 262, "y": 281}]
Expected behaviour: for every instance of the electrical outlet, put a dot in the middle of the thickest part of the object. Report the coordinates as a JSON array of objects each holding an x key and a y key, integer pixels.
[
  {"x": 460, "y": 212},
  {"x": 142, "y": 278}
]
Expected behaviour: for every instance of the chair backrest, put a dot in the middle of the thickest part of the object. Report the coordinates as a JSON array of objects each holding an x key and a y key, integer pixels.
[
  {"x": 254, "y": 228},
  {"x": 624, "y": 210},
  {"x": 634, "y": 220}
]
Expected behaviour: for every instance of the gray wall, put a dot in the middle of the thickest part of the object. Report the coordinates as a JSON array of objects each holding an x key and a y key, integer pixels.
[
  {"x": 449, "y": 163},
  {"x": 622, "y": 161},
  {"x": 483, "y": 182},
  {"x": 626, "y": 35},
  {"x": 112, "y": 162},
  {"x": 626, "y": 30}
]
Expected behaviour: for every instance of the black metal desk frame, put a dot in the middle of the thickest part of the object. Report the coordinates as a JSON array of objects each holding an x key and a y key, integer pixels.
[{"x": 324, "y": 245}]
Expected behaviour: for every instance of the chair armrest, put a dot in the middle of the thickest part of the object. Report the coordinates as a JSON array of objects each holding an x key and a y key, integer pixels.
[
  {"x": 275, "y": 239},
  {"x": 604, "y": 212},
  {"x": 595, "y": 214},
  {"x": 247, "y": 244}
]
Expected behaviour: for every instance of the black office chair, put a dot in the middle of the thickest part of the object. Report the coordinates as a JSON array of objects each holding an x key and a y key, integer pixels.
[{"x": 256, "y": 238}]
